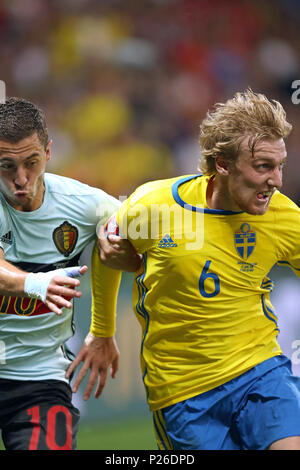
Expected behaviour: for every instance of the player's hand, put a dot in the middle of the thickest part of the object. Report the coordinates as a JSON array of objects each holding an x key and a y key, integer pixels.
[
  {"x": 97, "y": 355},
  {"x": 61, "y": 289},
  {"x": 117, "y": 253},
  {"x": 55, "y": 288}
]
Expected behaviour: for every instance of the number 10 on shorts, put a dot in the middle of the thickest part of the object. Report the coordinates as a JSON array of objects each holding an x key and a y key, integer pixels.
[{"x": 50, "y": 427}]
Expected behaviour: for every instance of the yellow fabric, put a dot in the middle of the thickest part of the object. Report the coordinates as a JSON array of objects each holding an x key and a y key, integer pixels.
[
  {"x": 204, "y": 308},
  {"x": 105, "y": 287}
]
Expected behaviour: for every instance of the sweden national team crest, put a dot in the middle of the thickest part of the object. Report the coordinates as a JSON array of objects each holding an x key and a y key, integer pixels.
[
  {"x": 65, "y": 238},
  {"x": 245, "y": 240}
]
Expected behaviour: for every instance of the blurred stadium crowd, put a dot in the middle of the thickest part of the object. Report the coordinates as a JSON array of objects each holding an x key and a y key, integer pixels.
[{"x": 125, "y": 83}]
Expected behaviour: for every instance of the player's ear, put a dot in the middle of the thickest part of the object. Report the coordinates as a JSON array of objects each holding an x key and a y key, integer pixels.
[
  {"x": 222, "y": 165},
  {"x": 48, "y": 152}
]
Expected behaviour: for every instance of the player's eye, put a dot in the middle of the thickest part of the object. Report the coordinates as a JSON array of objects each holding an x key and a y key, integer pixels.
[
  {"x": 264, "y": 165},
  {"x": 7, "y": 166},
  {"x": 32, "y": 163}
]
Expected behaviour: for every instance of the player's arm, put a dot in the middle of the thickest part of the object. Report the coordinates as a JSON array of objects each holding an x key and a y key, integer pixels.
[
  {"x": 99, "y": 351},
  {"x": 116, "y": 248},
  {"x": 117, "y": 252},
  {"x": 120, "y": 245},
  {"x": 53, "y": 288}
]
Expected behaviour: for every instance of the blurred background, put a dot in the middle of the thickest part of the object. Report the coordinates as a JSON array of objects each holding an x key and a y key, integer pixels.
[{"x": 125, "y": 85}]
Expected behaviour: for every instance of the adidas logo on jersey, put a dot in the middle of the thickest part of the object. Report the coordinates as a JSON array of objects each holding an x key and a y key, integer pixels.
[
  {"x": 167, "y": 242},
  {"x": 7, "y": 238}
]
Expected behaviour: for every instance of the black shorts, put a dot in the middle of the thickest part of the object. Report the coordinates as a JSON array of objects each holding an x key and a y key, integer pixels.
[{"x": 37, "y": 415}]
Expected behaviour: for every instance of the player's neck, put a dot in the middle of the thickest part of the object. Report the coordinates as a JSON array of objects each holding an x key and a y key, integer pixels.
[{"x": 217, "y": 195}]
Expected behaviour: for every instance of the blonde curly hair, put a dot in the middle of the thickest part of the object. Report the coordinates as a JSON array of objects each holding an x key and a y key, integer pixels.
[{"x": 247, "y": 113}]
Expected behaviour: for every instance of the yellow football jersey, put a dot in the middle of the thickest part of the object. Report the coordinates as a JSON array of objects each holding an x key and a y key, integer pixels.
[{"x": 202, "y": 294}]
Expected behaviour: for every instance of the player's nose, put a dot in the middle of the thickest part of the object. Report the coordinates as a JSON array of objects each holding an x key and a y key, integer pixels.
[
  {"x": 21, "y": 178},
  {"x": 275, "y": 180}
]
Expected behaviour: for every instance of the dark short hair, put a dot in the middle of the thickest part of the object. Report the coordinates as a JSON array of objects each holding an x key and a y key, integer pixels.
[{"x": 19, "y": 119}]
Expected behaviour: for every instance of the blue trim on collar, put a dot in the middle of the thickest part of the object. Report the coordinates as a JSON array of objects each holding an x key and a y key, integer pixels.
[{"x": 179, "y": 201}]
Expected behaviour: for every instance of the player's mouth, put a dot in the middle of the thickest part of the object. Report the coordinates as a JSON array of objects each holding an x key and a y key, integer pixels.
[
  {"x": 264, "y": 196},
  {"x": 21, "y": 194}
]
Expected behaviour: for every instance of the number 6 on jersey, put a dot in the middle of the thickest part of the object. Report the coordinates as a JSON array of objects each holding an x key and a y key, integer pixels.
[{"x": 206, "y": 275}]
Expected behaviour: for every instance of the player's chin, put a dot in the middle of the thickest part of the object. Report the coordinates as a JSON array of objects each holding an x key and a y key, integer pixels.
[
  {"x": 253, "y": 207},
  {"x": 258, "y": 210}
]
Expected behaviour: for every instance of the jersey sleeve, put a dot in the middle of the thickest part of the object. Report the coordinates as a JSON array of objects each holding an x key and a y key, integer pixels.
[
  {"x": 131, "y": 222},
  {"x": 105, "y": 281},
  {"x": 288, "y": 230},
  {"x": 105, "y": 288},
  {"x": 134, "y": 219},
  {"x": 293, "y": 260}
]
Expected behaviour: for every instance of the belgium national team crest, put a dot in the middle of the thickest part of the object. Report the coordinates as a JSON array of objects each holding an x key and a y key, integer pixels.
[
  {"x": 65, "y": 238},
  {"x": 245, "y": 240}
]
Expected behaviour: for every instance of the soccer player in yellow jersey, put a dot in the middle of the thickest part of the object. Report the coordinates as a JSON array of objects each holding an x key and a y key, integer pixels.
[{"x": 214, "y": 373}]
